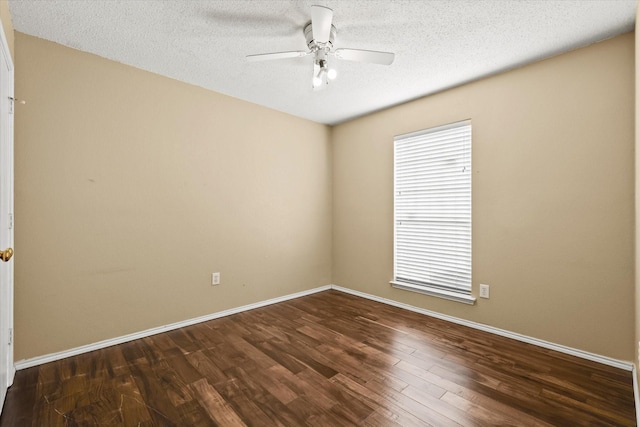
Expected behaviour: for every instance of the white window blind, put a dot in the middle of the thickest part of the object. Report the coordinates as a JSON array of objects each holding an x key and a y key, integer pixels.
[{"x": 432, "y": 244}]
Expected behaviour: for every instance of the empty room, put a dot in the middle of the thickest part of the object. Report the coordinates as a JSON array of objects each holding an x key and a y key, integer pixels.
[{"x": 322, "y": 213}]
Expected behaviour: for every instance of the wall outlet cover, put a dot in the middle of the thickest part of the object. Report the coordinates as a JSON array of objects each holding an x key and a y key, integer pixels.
[{"x": 484, "y": 291}]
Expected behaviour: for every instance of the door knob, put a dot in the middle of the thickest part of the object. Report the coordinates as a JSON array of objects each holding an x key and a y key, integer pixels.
[{"x": 6, "y": 254}]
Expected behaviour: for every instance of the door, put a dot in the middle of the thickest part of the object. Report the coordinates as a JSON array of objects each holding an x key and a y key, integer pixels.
[{"x": 6, "y": 218}]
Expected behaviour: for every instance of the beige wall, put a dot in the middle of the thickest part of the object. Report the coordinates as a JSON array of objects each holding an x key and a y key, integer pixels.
[
  {"x": 132, "y": 188},
  {"x": 7, "y": 25},
  {"x": 553, "y": 204}
]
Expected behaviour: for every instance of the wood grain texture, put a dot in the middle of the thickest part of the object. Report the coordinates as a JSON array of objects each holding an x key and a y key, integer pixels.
[{"x": 329, "y": 359}]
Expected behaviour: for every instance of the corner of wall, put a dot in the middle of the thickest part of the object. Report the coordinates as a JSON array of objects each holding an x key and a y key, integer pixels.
[{"x": 332, "y": 189}]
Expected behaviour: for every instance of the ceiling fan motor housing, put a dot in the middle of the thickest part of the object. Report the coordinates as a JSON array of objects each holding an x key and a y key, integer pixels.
[{"x": 312, "y": 44}]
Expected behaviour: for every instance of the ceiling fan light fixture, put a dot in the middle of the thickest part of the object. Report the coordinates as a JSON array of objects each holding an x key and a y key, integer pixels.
[
  {"x": 332, "y": 74},
  {"x": 317, "y": 78}
]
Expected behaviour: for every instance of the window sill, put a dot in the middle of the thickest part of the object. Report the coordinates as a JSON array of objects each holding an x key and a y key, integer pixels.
[{"x": 435, "y": 292}]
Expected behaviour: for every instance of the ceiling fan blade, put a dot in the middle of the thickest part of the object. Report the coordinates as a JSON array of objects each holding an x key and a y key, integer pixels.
[
  {"x": 360, "y": 55},
  {"x": 321, "y": 18},
  {"x": 276, "y": 55}
]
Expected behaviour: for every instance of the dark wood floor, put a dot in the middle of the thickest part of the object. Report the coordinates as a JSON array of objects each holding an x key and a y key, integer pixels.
[{"x": 329, "y": 359}]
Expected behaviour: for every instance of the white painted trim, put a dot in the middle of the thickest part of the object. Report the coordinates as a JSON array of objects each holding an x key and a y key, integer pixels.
[
  {"x": 5, "y": 47},
  {"x": 28, "y": 363},
  {"x": 435, "y": 292},
  {"x": 7, "y": 136},
  {"x": 636, "y": 398},
  {"x": 35, "y": 361},
  {"x": 621, "y": 364}
]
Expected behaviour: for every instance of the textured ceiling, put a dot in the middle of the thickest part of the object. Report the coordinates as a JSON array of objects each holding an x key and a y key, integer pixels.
[{"x": 438, "y": 44}]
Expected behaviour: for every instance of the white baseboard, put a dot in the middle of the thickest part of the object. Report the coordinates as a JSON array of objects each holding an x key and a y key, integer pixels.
[
  {"x": 35, "y": 361},
  {"x": 627, "y": 366},
  {"x": 28, "y": 363}
]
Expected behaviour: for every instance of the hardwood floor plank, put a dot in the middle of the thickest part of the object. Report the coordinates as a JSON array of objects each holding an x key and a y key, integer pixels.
[
  {"x": 327, "y": 359},
  {"x": 303, "y": 355},
  {"x": 356, "y": 410},
  {"x": 183, "y": 341},
  {"x": 257, "y": 357},
  {"x": 153, "y": 393},
  {"x": 178, "y": 362},
  {"x": 485, "y": 400},
  {"x": 595, "y": 413},
  {"x": 309, "y": 413},
  {"x": 378, "y": 419},
  {"x": 215, "y": 405},
  {"x": 116, "y": 363},
  {"x": 275, "y": 387},
  {"x": 176, "y": 388},
  {"x": 263, "y": 399},
  {"x": 202, "y": 361},
  {"x": 193, "y": 414},
  {"x": 282, "y": 358},
  {"x": 19, "y": 407},
  {"x": 240, "y": 398},
  {"x": 478, "y": 412},
  {"x": 375, "y": 395},
  {"x": 133, "y": 410},
  {"x": 428, "y": 410}
]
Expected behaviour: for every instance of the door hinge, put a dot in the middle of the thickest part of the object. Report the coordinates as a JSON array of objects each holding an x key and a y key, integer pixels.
[
  {"x": 10, "y": 336},
  {"x": 10, "y": 221}
]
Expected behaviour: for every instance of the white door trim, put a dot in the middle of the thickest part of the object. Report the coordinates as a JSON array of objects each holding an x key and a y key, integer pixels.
[{"x": 6, "y": 216}]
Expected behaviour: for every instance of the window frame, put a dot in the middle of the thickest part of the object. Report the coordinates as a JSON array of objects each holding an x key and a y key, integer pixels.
[{"x": 459, "y": 295}]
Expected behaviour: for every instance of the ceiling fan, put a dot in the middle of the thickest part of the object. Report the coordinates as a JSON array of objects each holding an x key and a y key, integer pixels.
[{"x": 320, "y": 35}]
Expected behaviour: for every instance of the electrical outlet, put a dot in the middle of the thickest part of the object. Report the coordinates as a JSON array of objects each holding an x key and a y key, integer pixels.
[
  {"x": 484, "y": 291},
  {"x": 215, "y": 279}
]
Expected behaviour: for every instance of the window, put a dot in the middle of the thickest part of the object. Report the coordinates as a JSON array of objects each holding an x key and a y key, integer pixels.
[{"x": 432, "y": 202}]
